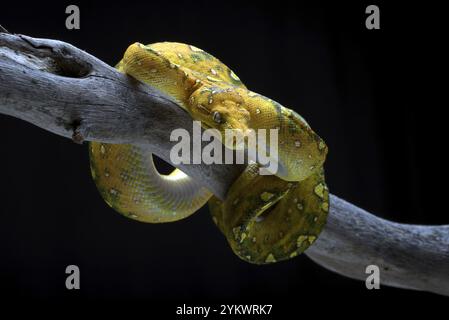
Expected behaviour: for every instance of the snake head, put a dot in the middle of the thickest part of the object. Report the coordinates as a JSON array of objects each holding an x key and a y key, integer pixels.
[{"x": 223, "y": 110}]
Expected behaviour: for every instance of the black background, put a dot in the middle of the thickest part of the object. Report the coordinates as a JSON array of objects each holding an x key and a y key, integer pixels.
[{"x": 375, "y": 96}]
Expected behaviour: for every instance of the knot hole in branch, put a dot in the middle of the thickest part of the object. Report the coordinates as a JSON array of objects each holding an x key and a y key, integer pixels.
[{"x": 65, "y": 65}]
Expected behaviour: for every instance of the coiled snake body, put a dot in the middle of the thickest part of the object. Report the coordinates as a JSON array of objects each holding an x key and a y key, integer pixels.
[{"x": 265, "y": 218}]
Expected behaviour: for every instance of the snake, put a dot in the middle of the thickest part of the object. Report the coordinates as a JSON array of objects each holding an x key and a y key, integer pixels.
[{"x": 265, "y": 218}]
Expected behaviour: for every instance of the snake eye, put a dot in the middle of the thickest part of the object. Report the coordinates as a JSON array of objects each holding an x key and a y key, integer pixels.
[{"x": 217, "y": 117}]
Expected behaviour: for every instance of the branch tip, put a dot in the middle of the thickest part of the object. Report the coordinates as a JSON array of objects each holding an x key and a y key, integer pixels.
[{"x": 3, "y": 29}]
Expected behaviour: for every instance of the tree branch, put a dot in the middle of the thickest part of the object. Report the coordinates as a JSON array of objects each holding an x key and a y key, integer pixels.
[
  {"x": 408, "y": 256},
  {"x": 66, "y": 91}
]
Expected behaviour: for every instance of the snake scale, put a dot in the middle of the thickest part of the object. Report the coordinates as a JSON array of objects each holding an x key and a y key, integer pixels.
[{"x": 265, "y": 218}]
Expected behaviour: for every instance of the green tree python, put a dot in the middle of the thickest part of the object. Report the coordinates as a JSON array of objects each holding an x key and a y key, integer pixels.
[{"x": 265, "y": 218}]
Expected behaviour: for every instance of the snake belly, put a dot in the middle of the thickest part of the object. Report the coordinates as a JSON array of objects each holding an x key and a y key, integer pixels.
[{"x": 265, "y": 218}]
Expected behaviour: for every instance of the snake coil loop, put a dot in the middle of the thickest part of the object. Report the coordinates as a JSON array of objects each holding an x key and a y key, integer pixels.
[{"x": 265, "y": 218}]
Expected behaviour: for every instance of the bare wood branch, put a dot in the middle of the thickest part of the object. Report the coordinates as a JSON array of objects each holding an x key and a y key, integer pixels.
[
  {"x": 408, "y": 256},
  {"x": 68, "y": 92}
]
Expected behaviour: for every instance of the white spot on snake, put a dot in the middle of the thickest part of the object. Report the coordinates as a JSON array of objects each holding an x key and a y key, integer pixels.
[
  {"x": 113, "y": 191},
  {"x": 300, "y": 240},
  {"x": 179, "y": 55},
  {"x": 258, "y": 111},
  {"x": 295, "y": 200},
  {"x": 297, "y": 143},
  {"x": 325, "y": 206},
  {"x": 213, "y": 79},
  {"x": 234, "y": 76},
  {"x": 212, "y": 70},
  {"x": 321, "y": 145},
  {"x": 266, "y": 196},
  {"x": 319, "y": 190},
  {"x": 102, "y": 149},
  {"x": 270, "y": 258},
  {"x": 153, "y": 70},
  {"x": 315, "y": 219},
  {"x": 124, "y": 176},
  {"x": 254, "y": 239},
  {"x": 300, "y": 206},
  {"x": 259, "y": 219},
  {"x": 211, "y": 101},
  {"x": 193, "y": 48},
  {"x": 311, "y": 239},
  {"x": 242, "y": 237}
]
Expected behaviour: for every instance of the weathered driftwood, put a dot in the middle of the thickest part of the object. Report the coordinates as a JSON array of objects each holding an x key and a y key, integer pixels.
[{"x": 66, "y": 91}]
